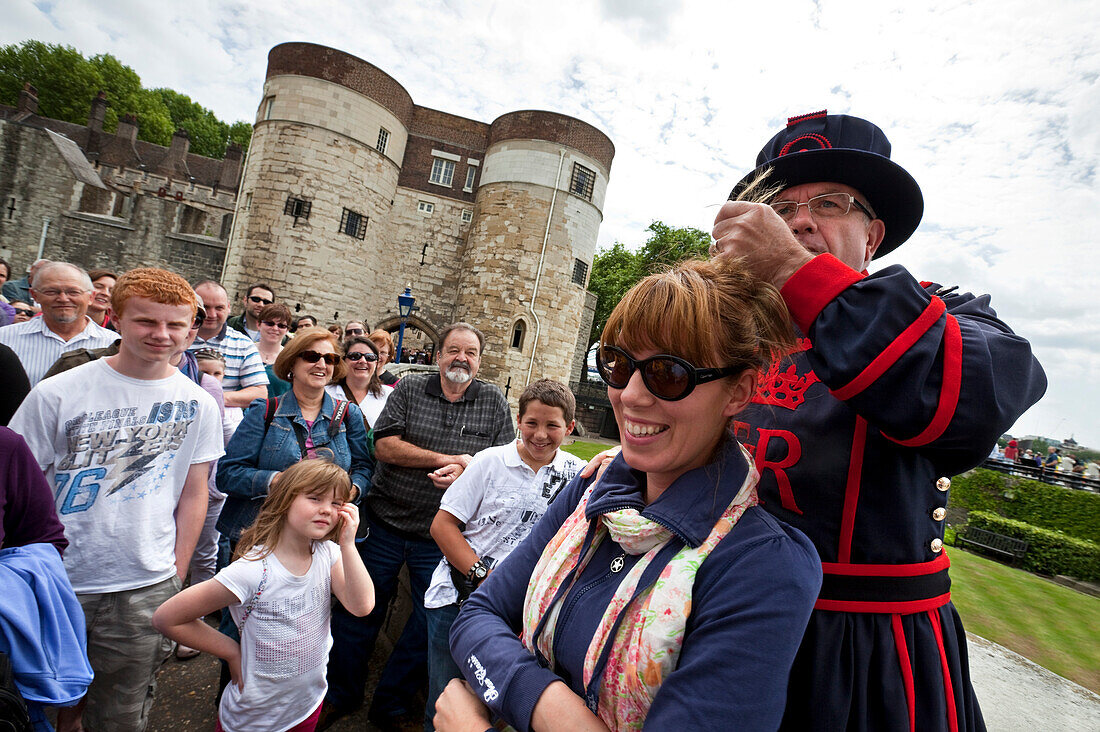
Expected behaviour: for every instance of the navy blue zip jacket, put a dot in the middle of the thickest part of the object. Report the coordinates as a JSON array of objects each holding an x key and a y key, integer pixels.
[{"x": 752, "y": 598}]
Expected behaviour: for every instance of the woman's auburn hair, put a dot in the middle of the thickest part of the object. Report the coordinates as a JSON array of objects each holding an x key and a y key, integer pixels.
[
  {"x": 713, "y": 313},
  {"x": 374, "y": 386},
  {"x": 309, "y": 477},
  {"x": 303, "y": 341}
]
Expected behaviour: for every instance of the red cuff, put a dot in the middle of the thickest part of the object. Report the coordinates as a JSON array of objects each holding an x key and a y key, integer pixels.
[{"x": 814, "y": 285}]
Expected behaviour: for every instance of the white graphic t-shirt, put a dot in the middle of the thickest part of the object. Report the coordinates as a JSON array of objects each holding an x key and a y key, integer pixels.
[
  {"x": 285, "y": 643},
  {"x": 500, "y": 499},
  {"x": 116, "y": 451}
]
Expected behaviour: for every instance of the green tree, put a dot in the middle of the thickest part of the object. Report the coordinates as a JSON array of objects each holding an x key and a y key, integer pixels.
[
  {"x": 209, "y": 135},
  {"x": 240, "y": 132},
  {"x": 67, "y": 83},
  {"x": 616, "y": 270},
  {"x": 65, "y": 80}
]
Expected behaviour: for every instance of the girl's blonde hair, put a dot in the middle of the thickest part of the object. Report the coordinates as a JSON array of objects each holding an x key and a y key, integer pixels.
[{"x": 309, "y": 477}]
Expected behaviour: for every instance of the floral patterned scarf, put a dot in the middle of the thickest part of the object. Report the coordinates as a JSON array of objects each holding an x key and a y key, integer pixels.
[{"x": 646, "y": 646}]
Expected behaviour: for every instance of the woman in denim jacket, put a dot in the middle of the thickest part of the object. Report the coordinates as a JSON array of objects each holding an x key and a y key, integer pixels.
[{"x": 256, "y": 454}]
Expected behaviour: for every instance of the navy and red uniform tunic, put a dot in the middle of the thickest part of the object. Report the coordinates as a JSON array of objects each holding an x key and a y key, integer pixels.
[{"x": 898, "y": 385}]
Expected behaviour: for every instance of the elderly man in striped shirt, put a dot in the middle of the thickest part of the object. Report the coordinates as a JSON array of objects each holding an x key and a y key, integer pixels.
[
  {"x": 64, "y": 291},
  {"x": 245, "y": 378}
]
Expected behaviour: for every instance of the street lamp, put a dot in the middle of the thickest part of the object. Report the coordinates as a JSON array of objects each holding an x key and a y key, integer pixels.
[{"x": 405, "y": 302}]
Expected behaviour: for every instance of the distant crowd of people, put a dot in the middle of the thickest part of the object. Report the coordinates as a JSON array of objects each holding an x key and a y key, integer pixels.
[{"x": 1054, "y": 461}]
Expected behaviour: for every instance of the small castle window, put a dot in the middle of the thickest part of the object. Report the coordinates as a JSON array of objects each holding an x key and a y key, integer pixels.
[
  {"x": 353, "y": 224},
  {"x": 583, "y": 181},
  {"x": 471, "y": 171},
  {"x": 268, "y": 107},
  {"x": 297, "y": 208},
  {"x": 443, "y": 172},
  {"x": 383, "y": 139},
  {"x": 10, "y": 208},
  {"x": 425, "y": 207},
  {"x": 519, "y": 330},
  {"x": 580, "y": 272},
  {"x": 248, "y": 201},
  {"x": 467, "y": 215}
]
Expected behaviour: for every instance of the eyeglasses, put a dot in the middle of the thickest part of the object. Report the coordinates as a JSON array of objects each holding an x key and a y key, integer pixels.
[
  {"x": 22, "y": 311},
  {"x": 273, "y": 324},
  {"x": 260, "y": 300},
  {"x": 368, "y": 357},
  {"x": 667, "y": 377},
  {"x": 826, "y": 206},
  {"x": 354, "y": 331},
  {"x": 314, "y": 357},
  {"x": 51, "y": 292}
]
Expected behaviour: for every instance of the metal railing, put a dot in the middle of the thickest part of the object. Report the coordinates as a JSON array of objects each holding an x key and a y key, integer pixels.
[{"x": 1077, "y": 481}]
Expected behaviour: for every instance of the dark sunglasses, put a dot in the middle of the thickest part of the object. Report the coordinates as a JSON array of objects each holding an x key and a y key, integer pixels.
[
  {"x": 273, "y": 324},
  {"x": 198, "y": 321},
  {"x": 22, "y": 311},
  {"x": 259, "y": 300},
  {"x": 354, "y": 331},
  {"x": 314, "y": 357},
  {"x": 667, "y": 377},
  {"x": 361, "y": 356}
]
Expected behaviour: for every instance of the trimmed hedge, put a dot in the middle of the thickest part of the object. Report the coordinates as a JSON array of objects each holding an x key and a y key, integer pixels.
[
  {"x": 1049, "y": 552},
  {"x": 1074, "y": 512}
]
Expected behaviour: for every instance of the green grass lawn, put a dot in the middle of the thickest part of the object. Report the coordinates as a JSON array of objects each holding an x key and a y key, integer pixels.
[
  {"x": 1054, "y": 626},
  {"x": 585, "y": 450}
]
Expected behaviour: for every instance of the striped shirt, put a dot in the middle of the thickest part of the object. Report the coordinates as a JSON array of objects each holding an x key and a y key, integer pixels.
[
  {"x": 243, "y": 365},
  {"x": 38, "y": 347}
]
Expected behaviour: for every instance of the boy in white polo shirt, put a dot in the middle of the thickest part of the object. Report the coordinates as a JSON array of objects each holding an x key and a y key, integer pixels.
[{"x": 490, "y": 509}]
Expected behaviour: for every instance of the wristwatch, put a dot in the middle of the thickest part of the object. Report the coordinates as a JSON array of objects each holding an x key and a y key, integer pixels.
[{"x": 478, "y": 572}]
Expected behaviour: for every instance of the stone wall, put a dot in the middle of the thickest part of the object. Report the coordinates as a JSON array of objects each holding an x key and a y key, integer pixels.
[{"x": 140, "y": 220}]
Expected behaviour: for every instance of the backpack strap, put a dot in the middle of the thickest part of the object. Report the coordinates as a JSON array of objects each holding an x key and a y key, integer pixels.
[
  {"x": 270, "y": 407},
  {"x": 339, "y": 411}
]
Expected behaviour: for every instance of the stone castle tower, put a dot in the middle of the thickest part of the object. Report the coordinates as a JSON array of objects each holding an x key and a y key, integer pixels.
[{"x": 351, "y": 191}]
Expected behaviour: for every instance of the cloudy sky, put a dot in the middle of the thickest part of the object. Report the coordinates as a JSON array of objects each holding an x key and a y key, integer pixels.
[{"x": 992, "y": 105}]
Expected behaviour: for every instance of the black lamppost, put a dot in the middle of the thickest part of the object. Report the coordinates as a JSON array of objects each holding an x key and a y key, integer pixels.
[{"x": 405, "y": 302}]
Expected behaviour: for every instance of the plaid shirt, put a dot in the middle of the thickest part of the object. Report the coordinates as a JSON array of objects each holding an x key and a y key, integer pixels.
[{"x": 405, "y": 499}]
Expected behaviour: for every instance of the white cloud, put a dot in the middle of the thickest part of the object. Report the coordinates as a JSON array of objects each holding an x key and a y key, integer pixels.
[{"x": 993, "y": 105}]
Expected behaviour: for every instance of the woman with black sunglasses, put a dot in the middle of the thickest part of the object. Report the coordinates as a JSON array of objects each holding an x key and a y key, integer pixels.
[
  {"x": 361, "y": 384},
  {"x": 274, "y": 321},
  {"x": 303, "y": 422},
  {"x": 660, "y": 595}
]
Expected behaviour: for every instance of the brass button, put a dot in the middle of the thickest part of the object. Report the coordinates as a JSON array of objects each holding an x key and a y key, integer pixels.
[
  {"x": 943, "y": 484},
  {"x": 937, "y": 545},
  {"x": 940, "y": 513}
]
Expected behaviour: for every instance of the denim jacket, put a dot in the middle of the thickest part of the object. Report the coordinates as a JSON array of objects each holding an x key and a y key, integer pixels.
[{"x": 252, "y": 459}]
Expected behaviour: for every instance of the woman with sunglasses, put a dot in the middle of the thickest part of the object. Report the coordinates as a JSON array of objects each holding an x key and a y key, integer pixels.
[
  {"x": 660, "y": 595},
  {"x": 361, "y": 384},
  {"x": 274, "y": 321},
  {"x": 303, "y": 422}
]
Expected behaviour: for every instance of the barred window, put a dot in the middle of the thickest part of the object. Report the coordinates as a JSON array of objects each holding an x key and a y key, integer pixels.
[
  {"x": 582, "y": 182},
  {"x": 353, "y": 224},
  {"x": 297, "y": 208},
  {"x": 580, "y": 272},
  {"x": 443, "y": 171},
  {"x": 467, "y": 215},
  {"x": 383, "y": 139}
]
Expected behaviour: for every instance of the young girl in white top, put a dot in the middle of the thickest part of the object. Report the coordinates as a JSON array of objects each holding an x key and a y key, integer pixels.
[{"x": 278, "y": 591}]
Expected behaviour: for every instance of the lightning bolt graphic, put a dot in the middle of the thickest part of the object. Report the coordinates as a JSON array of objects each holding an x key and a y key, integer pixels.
[{"x": 132, "y": 468}]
